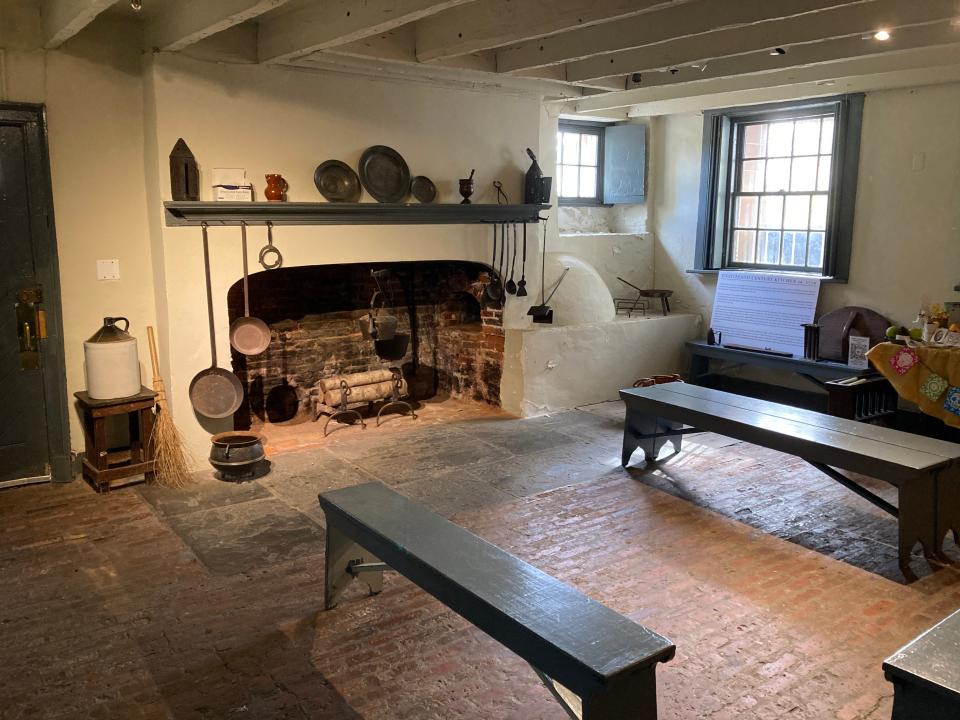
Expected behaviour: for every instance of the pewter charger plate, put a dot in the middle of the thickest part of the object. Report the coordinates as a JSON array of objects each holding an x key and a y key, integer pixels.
[{"x": 384, "y": 174}]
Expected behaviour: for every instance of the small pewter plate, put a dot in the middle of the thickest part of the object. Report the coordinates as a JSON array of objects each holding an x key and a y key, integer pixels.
[
  {"x": 337, "y": 182},
  {"x": 423, "y": 189}
]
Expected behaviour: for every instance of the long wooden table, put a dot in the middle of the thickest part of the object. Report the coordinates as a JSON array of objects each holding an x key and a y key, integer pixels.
[{"x": 926, "y": 472}]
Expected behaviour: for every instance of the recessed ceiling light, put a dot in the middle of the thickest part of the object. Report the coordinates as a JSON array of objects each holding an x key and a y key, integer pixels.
[
  {"x": 881, "y": 35},
  {"x": 778, "y": 51}
]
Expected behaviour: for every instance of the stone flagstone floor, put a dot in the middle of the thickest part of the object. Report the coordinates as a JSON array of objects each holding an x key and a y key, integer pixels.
[{"x": 780, "y": 588}]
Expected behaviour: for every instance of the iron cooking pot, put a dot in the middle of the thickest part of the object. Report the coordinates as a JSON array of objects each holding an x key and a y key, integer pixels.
[{"x": 236, "y": 451}]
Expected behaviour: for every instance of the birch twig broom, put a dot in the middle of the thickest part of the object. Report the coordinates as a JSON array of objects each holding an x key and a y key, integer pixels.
[{"x": 172, "y": 467}]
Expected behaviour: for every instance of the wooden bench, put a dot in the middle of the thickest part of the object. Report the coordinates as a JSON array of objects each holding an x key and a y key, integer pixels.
[
  {"x": 595, "y": 662},
  {"x": 926, "y": 674},
  {"x": 925, "y": 471}
]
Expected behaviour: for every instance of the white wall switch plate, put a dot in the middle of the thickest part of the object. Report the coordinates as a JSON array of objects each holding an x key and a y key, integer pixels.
[{"x": 108, "y": 269}]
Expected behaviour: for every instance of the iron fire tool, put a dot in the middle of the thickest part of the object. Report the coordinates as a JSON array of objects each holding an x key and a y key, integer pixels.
[
  {"x": 522, "y": 285},
  {"x": 511, "y": 285},
  {"x": 543, "y": 313},
  {"x": 493, "y": 290}
]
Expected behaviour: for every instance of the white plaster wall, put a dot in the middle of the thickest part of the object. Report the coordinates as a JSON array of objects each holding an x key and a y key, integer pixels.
[
  {"x": 565, "y": 367},
  {"x": 93, "y": 95},
  {"x": 906, "y": 248},
  {"x": 613, "y": 254},
  {"x": 283, "y": 120},
  {"x": 675, "y": 172}
]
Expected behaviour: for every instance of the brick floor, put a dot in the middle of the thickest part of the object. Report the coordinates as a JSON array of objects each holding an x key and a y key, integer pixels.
[{"x": 776, "y": 585}]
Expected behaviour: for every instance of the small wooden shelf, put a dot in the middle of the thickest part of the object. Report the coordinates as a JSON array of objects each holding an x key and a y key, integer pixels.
[{"x": 184, "y": 213}]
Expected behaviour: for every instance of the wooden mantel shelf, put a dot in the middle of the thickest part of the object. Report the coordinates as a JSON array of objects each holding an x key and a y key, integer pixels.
[{"x": 182, "y": 213}]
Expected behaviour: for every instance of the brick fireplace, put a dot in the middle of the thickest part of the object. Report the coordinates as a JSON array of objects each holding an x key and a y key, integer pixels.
[{"x": 456, "y": 334}]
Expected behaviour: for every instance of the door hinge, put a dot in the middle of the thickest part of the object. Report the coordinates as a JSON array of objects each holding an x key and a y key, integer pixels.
[{"x": 30, "y": 295}]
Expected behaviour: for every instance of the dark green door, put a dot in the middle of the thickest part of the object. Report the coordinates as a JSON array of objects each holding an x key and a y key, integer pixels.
[{"x": 32, "y": 407}]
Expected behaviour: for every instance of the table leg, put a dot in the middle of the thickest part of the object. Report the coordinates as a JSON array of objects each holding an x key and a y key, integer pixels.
[
  {"x": 146, "y": 433},
  {"x": 136, "y": 437},
  {"x": 917, "y": 519}
]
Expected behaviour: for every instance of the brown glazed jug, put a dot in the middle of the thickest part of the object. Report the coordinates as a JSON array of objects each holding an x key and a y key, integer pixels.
[{"x": 276, "y": 188}]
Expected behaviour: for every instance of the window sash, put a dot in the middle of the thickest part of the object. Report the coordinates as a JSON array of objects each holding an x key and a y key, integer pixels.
[
  {"x": 736, "y": 172},
  {"x": 581, "y": 130}
]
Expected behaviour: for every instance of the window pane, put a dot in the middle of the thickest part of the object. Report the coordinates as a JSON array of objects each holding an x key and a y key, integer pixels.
[
  {"x": 778, "y": 175},
  {"x": 826, "y": 136},
  {"x": 568, "y": 181},
  {"x": 771, "y": 211},
  {"x": 571, "y": 148},
  {"x": 751, "y": 176},
  {"x": 769, "y": 248},
  {"x": 588, "y": 150},
  {"x": 746, "y": 215},
  {"x": 794, "y": 248},
  {"x": 818, "y": 213},
  {"x": 803, "y": 174},
  {"x": 754, "y": 141},
  {"x": 780, "y": 140},
  {"x": 559, "y": 147},
  {"x": 816, "y": 250},
  {"x": 588, "y": 182},
  {"x": 744, "y": 244},
  {"x": 786, "y": 250},
  {"x": 806, "y": 137},
  {"x": 797, "y": 212},
  {"x": 823, "y": 174}
]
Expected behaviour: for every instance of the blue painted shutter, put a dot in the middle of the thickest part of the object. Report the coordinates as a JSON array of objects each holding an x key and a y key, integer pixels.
[{"x": 624, "y": 164}]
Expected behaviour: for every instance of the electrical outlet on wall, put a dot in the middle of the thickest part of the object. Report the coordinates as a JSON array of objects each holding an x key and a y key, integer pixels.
[{"x": 108, "y": 269}]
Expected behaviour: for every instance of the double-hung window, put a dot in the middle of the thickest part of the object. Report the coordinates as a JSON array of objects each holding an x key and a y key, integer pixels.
[{"x": 778, "y": 187}]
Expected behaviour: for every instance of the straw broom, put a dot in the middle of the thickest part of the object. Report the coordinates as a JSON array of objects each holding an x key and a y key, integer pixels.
[{"x": 172, "y": 467}]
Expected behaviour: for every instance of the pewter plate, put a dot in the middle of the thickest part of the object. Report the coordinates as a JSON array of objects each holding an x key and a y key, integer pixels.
[
  {"x": 337, "y": 181},
  {"x": 384, "y": 174},
  {"x": 423, "y": 189}
]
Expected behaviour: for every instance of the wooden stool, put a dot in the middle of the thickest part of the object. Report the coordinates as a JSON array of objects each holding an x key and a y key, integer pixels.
[{"x": 101, "y": 466}]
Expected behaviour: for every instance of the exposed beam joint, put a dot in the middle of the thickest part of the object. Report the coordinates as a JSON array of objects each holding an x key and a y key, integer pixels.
[
  {"x": 669, "y": 24},
  {"x": 182, "y": 23},
  {"x": 797, "y": 31},
  {"x": 487, "y": 24},
  {"x": 62, "y": 19},
  {"x": 326, "y": 25}
]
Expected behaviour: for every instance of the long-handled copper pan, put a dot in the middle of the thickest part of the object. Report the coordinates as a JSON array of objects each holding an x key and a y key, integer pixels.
[
  {"x": 214, "y": 392},
  {"x": 248, "y": 335}
]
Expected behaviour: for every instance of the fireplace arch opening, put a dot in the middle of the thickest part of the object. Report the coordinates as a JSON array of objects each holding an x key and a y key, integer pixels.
[{"x": 455, "y": 346}]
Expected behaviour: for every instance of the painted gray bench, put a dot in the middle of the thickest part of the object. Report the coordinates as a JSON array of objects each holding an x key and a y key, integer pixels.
[
  {"x": 595, "y": 662},
  {"x": 926, "y": 674},
  {"x": 925, "y": 471}
]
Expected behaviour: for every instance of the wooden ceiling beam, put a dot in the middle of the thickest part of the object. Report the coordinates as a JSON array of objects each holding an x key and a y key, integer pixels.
[
  {"x": 918, "y": 67},
  {"x": 325, "y": 25},
  {"x": 182, "y": 23},
  {"x": 486, "y": 24},
  {"x": 62, "y": 19},
  {"x": 789, "y": 33},
  {"x": 671, "y": 23},
  {"x": 827, "y": 51}
]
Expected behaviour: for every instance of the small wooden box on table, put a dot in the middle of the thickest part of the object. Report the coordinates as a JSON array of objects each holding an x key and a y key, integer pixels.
[{"x": 102, "y": 466}]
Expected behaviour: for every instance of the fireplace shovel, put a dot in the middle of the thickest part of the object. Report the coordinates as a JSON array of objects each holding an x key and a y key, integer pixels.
[{"x": 543, "y": 313}]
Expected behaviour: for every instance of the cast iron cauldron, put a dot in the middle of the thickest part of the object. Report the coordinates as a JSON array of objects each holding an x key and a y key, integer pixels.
[{"x": 236, "y": 453}]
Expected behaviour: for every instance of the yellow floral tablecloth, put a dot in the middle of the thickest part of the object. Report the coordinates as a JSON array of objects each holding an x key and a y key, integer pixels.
[{"x": 927, "y": 376}]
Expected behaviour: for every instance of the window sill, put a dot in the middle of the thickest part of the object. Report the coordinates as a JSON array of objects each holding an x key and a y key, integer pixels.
[{"x": 716, "y": 271}]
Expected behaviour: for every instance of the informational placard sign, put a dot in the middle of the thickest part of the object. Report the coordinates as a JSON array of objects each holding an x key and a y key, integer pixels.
[{"x": 764, "y": 311}]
